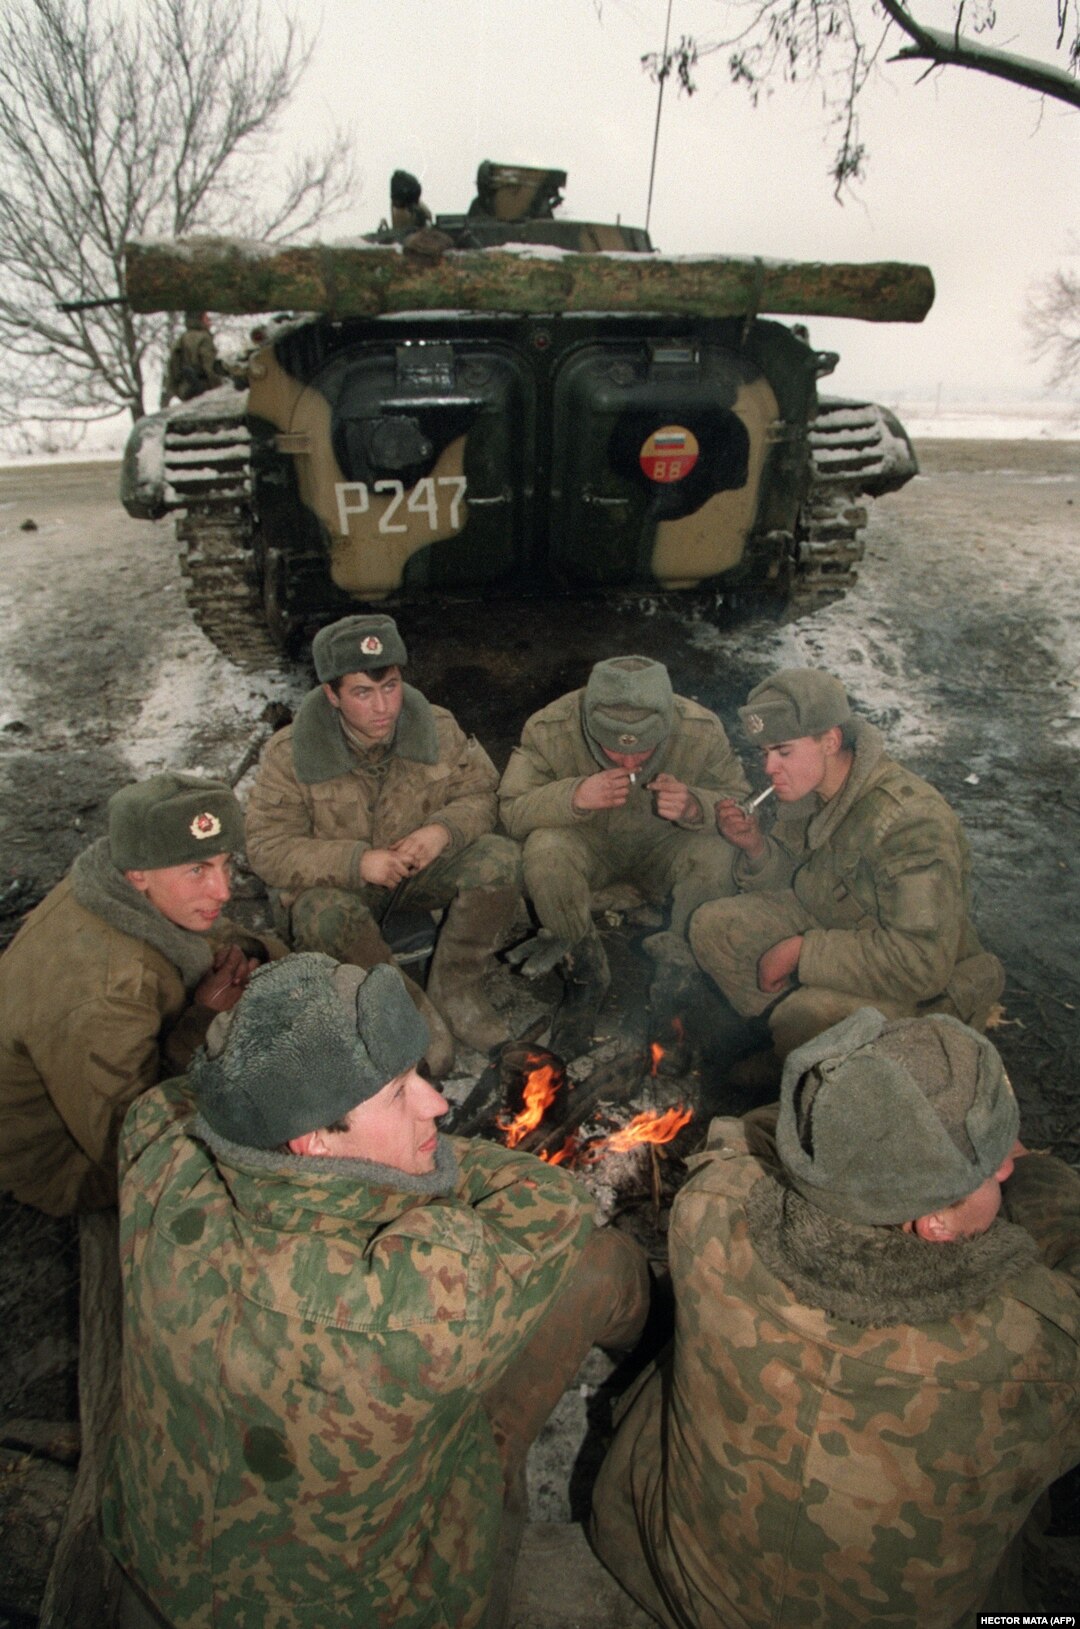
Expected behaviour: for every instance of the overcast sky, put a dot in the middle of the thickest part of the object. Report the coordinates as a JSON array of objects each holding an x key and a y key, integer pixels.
[{"x": 977, "y": 179}]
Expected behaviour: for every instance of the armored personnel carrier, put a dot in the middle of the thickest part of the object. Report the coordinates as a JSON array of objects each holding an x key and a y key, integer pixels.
[{"x": 504, "y": 403}]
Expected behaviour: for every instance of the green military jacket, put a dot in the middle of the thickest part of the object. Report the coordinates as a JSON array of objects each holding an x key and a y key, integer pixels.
[
  {"x": 883, "y": 868},
  {"x": 95, "y": 1005},
  {"x": 317, "y": 806},
  {"x": 553, "y": 758},
  {"x": 303, "y": 1441},
  {"x": 795, "y": 1466}
]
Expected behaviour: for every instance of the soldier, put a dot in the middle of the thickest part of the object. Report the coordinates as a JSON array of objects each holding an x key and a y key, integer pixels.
[
  {"x": 194, "y": 365},
  {"x": 374, "y": 799},
  {"x": 860, "y": 892},
  {"x": 407, "y": 212},
  {"x": 874, "y": 1377},
  {"x": 341, "y": 1328},
  {"x": 111, "y": 983},
  {"x": 644, "y": 816}
]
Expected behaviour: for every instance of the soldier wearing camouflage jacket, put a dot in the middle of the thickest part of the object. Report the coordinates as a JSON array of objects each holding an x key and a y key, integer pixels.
[
  {"x": 102, "y": 991},
  {"x": 856, "y": 1418},
  {"x": 865, "y": 881},
  {"x": 311, "y": 1344}
]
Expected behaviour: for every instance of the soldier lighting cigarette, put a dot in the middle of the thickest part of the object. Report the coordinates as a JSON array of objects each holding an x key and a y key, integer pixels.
[{"x": 748, "y": 808}]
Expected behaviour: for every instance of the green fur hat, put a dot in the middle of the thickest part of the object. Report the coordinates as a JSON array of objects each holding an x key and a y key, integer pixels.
[
  {"x": 356, "y": 645},
  {"x": 171, "y": 819},
  {"x": 881, "y": 1122},
  {"x": 795, "y": 702},
  {"x": 627, "y": 706},
  {"x": 309, "y": 1039}
]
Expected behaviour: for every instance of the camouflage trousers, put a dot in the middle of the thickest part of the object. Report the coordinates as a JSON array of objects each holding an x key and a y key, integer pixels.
[
  {"x": 333, "y": 919},
  {"x": 730, "y": 936},
  {"x": 564, "y": 868}
]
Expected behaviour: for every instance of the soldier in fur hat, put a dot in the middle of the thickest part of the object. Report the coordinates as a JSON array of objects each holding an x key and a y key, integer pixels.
[
  {"x": 374, "y": 797},
  {"x": 859, "y": 893},
  {"x": 616, "y": 782},
  {"x": 876, "y": 1370},
  {"x": 111, "y": 982},
  {"x": 341, "y": 1328}
]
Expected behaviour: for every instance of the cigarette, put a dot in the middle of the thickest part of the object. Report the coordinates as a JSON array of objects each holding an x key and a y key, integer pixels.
[
  {"x": 748, "y": 808},
  {"x": 633, "y": 777}
]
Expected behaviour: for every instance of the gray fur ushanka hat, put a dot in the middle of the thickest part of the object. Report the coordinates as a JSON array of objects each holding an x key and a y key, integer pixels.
[
  {"x": 882, "y": 1122},
  {"x": 171, "y": 819},
  {"x": 356, "y": 645},
  {"x": 309, "y": 1039},
  {"x": 628, "y": 705},
  {"x": 795, "y": 702}
]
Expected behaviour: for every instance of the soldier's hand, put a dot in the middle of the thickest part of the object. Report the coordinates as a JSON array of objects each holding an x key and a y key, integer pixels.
[
  {"x": 607, "y": 789},
  {"x": 674, "y": 800},
  {"x": 779, "y": 964},
  {"x": 222, "y": 987},
  {"x": 384, "y": 867},
  {"x": 739, "y": 828},
  {"x": 421, "y": 846}
]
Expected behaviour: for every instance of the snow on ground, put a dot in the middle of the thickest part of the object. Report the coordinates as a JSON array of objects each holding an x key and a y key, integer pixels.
[
  {"x": 199, "y": 683},
  {"x": 1041, "y": 420},
  {"x": 1021, "y": 421}
]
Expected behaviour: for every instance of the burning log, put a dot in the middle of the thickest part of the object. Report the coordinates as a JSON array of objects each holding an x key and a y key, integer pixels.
[
  {"x": 618, "y": 1078},
  {"x": 491, "y": 1092}
]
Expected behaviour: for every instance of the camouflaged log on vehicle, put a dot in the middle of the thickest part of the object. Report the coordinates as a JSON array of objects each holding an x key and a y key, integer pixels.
[{"x": 450, "y": 416}]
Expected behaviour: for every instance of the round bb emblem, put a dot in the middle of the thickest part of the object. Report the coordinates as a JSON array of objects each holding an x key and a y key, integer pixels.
[
  {"x": 205, "y": 825},
  {"x": 669, "y": 454},
  {"x": 755, "y": 723},
  {"x": 371, "y": 645},
  {"x": 628, "y": 740}
]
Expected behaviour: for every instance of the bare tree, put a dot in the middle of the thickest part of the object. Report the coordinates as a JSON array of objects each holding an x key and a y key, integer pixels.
[
  {"x": 842, "y": 43},
  {"x": 120, "y": 121},
  {"x": 1052, "y": 320}
]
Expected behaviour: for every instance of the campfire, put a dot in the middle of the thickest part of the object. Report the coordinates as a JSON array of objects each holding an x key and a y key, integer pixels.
[{"x": 528, "y": 1101}]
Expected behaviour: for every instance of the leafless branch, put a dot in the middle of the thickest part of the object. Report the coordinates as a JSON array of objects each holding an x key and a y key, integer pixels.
[
  {"x": 840, "y": 44},
  {"x": 1052, "y": 320},
  {"x": 120, "y": 122}
]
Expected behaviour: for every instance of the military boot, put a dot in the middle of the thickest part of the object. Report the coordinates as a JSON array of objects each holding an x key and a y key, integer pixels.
[
  {"x": 367, "y": 948},
  {"x": 586, "y": 976},
  {"x": 475, "y": 926}
]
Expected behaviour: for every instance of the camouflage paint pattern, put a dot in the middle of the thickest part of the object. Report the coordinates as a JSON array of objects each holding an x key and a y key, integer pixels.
[
  {"x": 876, "y": 880},
  {"x": 787, "y": 1468},
  {"x": 569, "y": 852},
  {"x": 303, "y": 1440}
]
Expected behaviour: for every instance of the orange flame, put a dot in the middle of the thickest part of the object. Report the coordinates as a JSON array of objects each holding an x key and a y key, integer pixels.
[
  {"x": 656, "y": 1052},
  {"x": 650, "y": 1127},
  {"x": 564, "y": 1155},
  {"x": 541, "y": 1088}
]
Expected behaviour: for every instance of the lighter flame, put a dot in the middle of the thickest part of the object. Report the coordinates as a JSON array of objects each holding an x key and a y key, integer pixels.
[{"x": 541, "y": 1088}]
